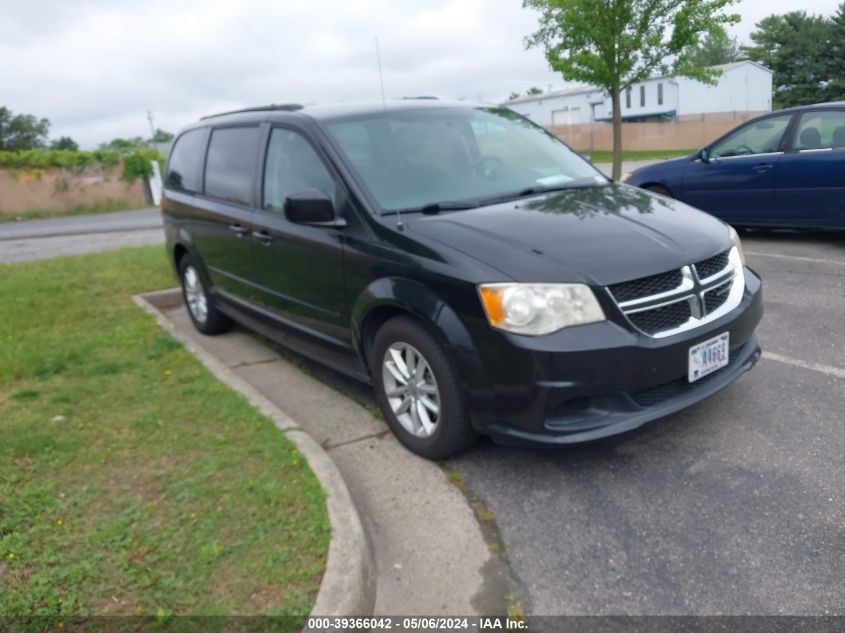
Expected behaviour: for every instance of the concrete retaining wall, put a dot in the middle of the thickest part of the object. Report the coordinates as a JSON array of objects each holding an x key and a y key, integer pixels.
[
  {"x": 690, "y": 132},
  {"x": 58, "y": 190}
]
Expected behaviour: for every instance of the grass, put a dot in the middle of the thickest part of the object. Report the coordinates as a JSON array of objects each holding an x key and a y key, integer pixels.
[
  {"x": 110, "y": 206},
  {"x": 607, "y": 157},
  {"x": 131, "y": 481}
]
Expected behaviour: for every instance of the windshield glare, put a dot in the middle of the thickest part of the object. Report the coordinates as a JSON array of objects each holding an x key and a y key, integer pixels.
[{"x": 415, "y": 158}]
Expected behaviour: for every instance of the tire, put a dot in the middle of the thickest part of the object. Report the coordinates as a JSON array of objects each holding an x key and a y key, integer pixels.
[
  {"x": 448, "y": 431},
  {"x": 205, "y": 316},
  {"x": 663, "y": 191}
]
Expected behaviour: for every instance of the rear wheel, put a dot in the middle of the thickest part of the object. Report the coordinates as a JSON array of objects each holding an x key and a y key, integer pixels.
[
  {"x": 663, "y": 191},
  {"x": 205, "y": 316},
  {"x": 418, "y": 390}
]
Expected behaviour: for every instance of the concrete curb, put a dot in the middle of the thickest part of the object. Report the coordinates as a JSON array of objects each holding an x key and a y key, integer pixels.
[{"x": 348, "y": 586}]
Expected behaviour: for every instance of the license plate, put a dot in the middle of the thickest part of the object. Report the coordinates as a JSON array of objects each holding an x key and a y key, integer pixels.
[{"x": 708, "y": 356}]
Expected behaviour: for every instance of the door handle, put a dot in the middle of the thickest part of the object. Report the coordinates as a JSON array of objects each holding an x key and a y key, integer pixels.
[
  {"x": 262, "y": 236},
  {"x": 762, "y": 167},
  {"x": 238, "y": 230}
]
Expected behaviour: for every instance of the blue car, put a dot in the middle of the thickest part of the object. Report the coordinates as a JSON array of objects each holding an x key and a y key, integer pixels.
[{"x": 785, "y": 169}]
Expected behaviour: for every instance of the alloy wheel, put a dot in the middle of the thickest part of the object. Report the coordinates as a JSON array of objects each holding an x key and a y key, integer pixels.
[
  {"x": 411, "y": 389},
  {"x": 195, "y": 295}
]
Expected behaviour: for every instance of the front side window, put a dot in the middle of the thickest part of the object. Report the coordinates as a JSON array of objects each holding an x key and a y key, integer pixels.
[
  {"x": 823, "y": 129},
  {"x": 412, "y": 158},
  {"x": 293, "y": 166},
  {"x": 760, "y": 137},
  {"x": 183, "y": 168},
  {"x": 231, "y": 162}
]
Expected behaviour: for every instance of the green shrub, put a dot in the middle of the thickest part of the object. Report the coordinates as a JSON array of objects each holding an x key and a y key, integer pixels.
[
  {"x": 135, "y": 160},
  {"x": 136, "y": 163}
]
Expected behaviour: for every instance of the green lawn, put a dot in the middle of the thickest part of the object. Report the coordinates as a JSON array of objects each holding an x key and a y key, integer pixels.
[
  {"x": 607, "y": 157},
  {"x": 131, "y": 480},
  {"x": 88, "y": 209}
]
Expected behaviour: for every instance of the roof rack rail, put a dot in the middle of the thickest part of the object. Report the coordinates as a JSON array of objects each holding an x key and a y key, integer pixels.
[
  {"x": 290, "y": 107},
  {"x": 426, "y": 97}
]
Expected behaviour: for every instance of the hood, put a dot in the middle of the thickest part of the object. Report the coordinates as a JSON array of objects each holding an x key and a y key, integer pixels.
[
  {"x": 596, "y": 235},
  {"x": 670, "y": 165}
]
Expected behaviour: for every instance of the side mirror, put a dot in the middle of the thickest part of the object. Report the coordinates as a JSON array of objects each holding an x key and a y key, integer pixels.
[
  {"x": 704, "y": 155},
  {"x": 310, "y": 207}
]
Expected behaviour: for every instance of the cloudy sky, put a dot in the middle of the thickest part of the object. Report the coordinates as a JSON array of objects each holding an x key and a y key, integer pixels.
[{"x": 95, "y": 67}]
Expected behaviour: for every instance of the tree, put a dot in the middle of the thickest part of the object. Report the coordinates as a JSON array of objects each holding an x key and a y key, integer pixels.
[
  {"x": 22, "y": 131},
  {"x": 64, "y": 142},
  {"x": 836, "y": 56},
  {"x": 123, "y": 143},
  {"x": 534, "y": 90},
  {"x": 715, "y": 49},
  {"x": 794, "y": 47},
  {"x": 161, "y": 136},
  {"x": 614, "y": 44}
]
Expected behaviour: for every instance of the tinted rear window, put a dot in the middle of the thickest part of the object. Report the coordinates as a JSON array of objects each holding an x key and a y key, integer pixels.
[
  {"x": 231, "y": 164},
  {"x": 183, "y": 169}
]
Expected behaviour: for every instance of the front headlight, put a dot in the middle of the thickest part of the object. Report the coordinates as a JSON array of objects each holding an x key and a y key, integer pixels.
[
  {"x": 737, "y": 243},
  {"x": 537, "y": 309}
]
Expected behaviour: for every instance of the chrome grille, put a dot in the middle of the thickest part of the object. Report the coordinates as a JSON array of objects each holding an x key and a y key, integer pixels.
[
  {"x": 638, "y": 288},
  {"x": 712, "y": 266},
  {"x": 679, "y": 300},
  {"x": 713, "y": 299},
  {"x": 659, "y": 319}
]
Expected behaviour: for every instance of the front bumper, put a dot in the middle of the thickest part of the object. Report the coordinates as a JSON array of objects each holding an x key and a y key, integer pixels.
[{"x": 605, "y": 379}]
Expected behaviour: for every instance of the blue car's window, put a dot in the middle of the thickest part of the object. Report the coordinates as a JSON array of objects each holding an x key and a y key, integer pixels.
[
  {"x": 761, "y": 137},
  {"x": 412, "y": 158},
  {"x": 823, "y": 129}
]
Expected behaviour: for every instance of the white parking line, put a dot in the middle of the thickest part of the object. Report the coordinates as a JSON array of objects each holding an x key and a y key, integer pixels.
[
  {"x": 798, "y": 258},
  {"x": 825, "y": 369}
]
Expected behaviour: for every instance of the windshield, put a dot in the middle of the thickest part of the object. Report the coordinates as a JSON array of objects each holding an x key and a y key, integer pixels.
[{"x": 450, "y": 158}]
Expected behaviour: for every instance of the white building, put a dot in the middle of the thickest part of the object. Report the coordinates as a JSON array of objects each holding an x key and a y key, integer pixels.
[{"x": 744, "y": 86}]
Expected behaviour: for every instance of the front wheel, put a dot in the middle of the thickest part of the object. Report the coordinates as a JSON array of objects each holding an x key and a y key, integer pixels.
[
  {"x": 205, "y": 316},
  {"x": 418, "y": 390}
]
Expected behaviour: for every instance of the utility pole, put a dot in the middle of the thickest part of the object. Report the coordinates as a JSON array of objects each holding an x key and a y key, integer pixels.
[{"x": 152, "y": 127}]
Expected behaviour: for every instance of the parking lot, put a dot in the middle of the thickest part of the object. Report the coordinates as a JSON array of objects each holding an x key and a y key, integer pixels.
[{"x": 734, "y": 506}]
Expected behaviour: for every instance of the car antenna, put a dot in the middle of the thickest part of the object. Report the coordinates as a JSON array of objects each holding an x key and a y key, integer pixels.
[{"x": 380, "y": 78}]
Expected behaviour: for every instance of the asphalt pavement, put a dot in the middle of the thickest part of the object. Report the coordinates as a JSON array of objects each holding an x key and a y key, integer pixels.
[
  {"x": 77, "y": 235},
  {"x": 734, "y": 506},
  {"x": 118, "y": 222}
]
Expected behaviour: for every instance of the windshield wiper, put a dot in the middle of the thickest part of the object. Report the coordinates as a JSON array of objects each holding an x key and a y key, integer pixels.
[
  {"x": 536, "y": 190},
  {"x": 437, "y": 207}
]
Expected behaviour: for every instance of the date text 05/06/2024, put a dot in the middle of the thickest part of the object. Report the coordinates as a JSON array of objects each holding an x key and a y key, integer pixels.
[{"x": 415, "y": 623}]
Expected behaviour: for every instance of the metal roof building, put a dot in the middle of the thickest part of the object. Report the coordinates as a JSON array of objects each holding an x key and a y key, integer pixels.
[{"x": 743, "y": 86}]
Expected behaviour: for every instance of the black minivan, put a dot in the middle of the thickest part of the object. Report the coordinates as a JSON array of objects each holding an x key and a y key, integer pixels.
[{"x": 480, "y": 274}]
